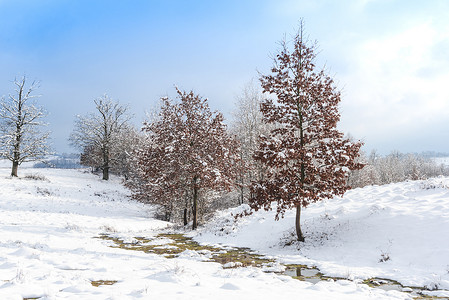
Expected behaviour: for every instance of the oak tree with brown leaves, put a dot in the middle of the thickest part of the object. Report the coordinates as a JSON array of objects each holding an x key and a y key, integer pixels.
[
  {"x": 307, "y": 158},
  {"x": 188, "y": 152}
]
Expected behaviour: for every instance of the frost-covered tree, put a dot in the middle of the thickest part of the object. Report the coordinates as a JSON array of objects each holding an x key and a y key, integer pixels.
[
  {"x": 128, "y": 142},
  {"x": 307, "y": 157},
  {"x": 356, "y": 178},
  {"x": 247, "y": 125},
  {"x": 120, "y": 153},
  {"x": 189, "y": 153},
  {"x": 21, "y": 137},
  {"x": 91, "y": 157},
  {"x": 100, "y": 133},
  {"x": 395, "y": 167}
]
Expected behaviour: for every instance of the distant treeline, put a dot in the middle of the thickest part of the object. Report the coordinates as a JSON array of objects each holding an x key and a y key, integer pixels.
[
  {"x": 63, "y": 161},
  {"x": 397, "y": 167},
  {"x": 432, "y": 154}
]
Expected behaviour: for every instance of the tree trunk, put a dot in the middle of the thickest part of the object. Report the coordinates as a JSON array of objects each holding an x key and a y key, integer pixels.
[
  {"x": 105, "y": 164},
  {"x": 15, "y": 166},
  {"x": 185, "y": 216},
  {"x": 16, "y": 151},
  {"x": 105, "y": 173},
  {"x": 195, "y": 204},
  {"x": 298, "y": 223}
]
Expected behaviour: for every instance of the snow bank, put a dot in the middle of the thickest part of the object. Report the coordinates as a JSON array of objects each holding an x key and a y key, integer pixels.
[{"x": 397, "y": 231}]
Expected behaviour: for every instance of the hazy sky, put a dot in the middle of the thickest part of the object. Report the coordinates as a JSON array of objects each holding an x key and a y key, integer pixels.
[{"x": 390, "y": 58}]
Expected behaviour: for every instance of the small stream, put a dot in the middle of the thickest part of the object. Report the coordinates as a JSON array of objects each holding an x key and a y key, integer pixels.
[{"x": 171, "y": 245}]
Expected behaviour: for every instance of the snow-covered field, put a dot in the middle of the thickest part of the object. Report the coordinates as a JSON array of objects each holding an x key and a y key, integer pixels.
[{"x": 49, "y": 249}]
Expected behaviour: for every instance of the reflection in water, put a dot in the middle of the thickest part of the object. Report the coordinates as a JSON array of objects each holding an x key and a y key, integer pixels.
[{"x": 304, "y": 273}]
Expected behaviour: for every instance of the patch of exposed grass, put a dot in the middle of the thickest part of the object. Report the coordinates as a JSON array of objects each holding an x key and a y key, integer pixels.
[
  {"x": 184, "y": 243},
  {"x": 243, "y": 256},
  {"x": 380, "y": 282},
  {"x": 180, "y": 243},
  {"x": 423, "y": 296},
  {"x": 97, "y": 283},
  {"x": 140, "y": 245}
]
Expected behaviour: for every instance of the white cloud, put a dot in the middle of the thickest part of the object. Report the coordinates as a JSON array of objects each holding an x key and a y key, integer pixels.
[{"x": 396, "y": 82}]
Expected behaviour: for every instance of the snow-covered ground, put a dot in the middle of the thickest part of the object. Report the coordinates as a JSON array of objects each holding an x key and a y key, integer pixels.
[
  {"x": 396, "y": 231},
  {"x": 49, "y": 249}
]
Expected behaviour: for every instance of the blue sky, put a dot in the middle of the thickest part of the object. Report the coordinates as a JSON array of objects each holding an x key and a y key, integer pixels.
[{"x": 390, "y": 58}]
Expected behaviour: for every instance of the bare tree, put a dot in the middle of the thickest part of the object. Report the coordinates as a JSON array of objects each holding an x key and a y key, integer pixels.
[
  {"x": 91, "y": 157},
  {"x": 128, "y": 141},
  {"x": 395, "y": 167},
  {"x": 120, "y": 154},
  {"x": 21, "y": 139},
  {"x": 100, "y": 132},
  {"x": 247, "y": 125},
  {"x": 307, "y": 157}
]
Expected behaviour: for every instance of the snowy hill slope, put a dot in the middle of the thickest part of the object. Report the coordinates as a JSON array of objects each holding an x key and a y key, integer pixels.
[
  {"x": 397, "y": 231},
  {"x": 49, "y": 246}
]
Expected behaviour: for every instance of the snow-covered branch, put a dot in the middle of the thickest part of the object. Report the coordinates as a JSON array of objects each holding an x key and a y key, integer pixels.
[{"x": 20, "y": 121}]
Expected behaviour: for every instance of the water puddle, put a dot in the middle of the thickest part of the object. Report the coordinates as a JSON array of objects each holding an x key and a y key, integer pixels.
[
  {"x": 171, "y": 245},
  {"x": 303, "y": 273}
]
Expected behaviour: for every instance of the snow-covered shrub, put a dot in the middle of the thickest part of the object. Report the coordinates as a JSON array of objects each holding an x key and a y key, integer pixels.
[
  {"x": 36, "y": 176},
  {"x": 43, "y": 191},
  {"x": 431, "y": 185},
  {"x": 395, "y": 167},
  {"x": 384, "y": 257}
]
